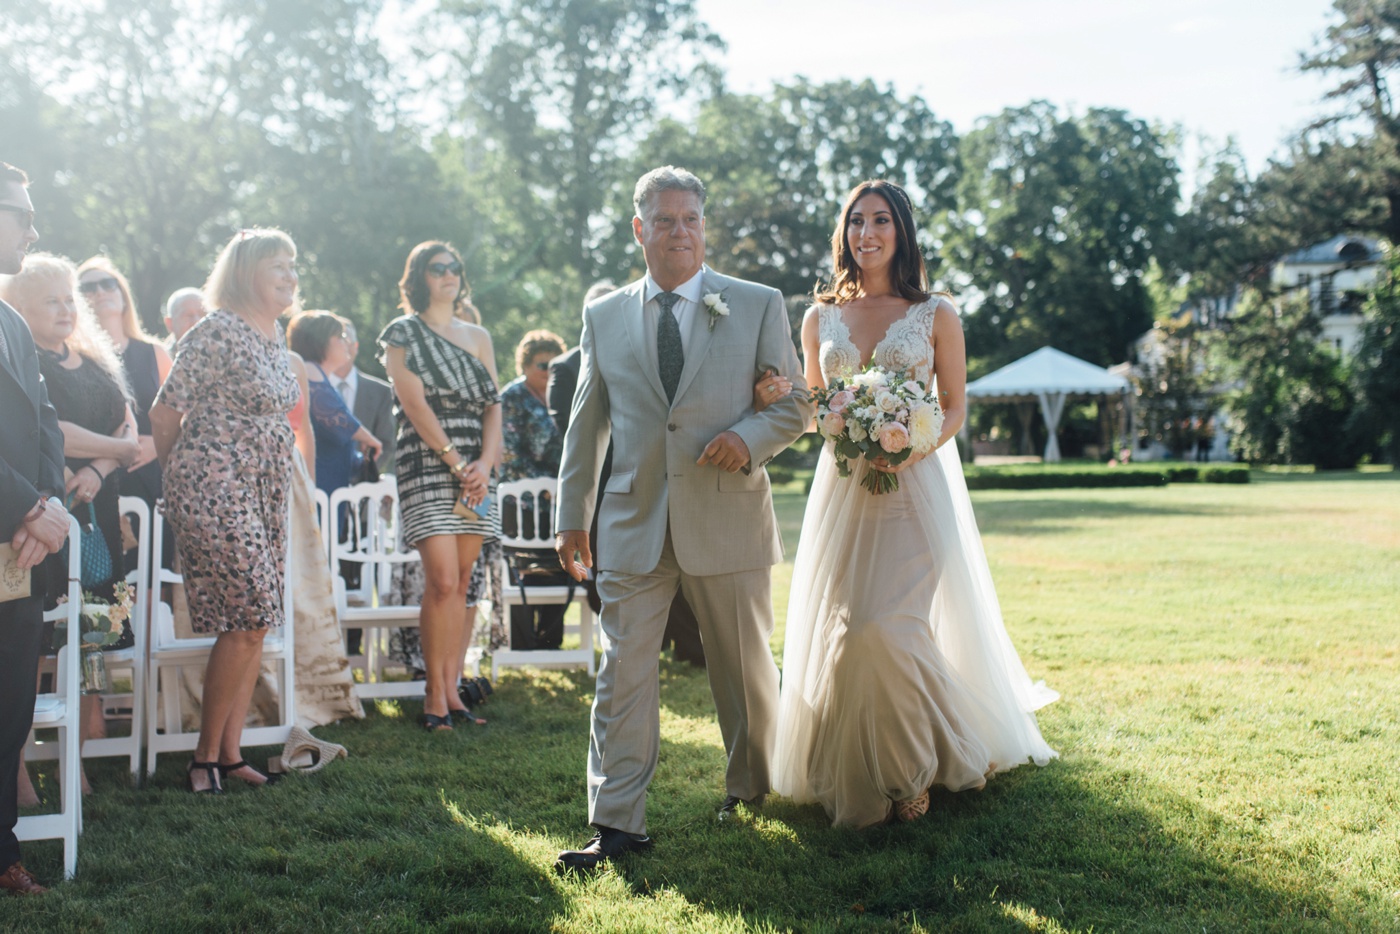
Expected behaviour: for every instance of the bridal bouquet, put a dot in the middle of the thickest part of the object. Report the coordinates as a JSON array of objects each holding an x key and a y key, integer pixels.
[{"x": 877, "y": 413}]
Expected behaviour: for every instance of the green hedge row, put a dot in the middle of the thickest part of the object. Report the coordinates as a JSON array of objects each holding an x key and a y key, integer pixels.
[{"x": 1042, "y": 477}]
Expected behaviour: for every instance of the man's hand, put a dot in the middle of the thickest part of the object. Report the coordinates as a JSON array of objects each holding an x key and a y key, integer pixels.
[
  {"x": 570, "y": 543},
  {"x": 41, "y": 535},
  {"x": 727, "y": 452}
]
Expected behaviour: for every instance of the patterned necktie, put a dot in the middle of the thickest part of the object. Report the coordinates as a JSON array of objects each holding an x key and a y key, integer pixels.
[
  {"x": 344, "y": 387},
  {"x": 4, "y": 348},
  {"x": 670, "y": 358}
]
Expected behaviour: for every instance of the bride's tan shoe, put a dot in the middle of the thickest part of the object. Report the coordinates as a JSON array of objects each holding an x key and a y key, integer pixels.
[{"x": 913, "y": 809}]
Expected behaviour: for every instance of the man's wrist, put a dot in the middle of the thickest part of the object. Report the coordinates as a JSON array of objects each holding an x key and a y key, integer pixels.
[{"x": 37, "y": 510}]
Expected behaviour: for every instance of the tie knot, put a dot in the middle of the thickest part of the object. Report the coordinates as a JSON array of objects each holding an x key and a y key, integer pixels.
[{"x": 667, "y": 300}]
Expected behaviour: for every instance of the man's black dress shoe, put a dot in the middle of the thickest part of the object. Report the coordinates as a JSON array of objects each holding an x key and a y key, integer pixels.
[
  {"x": 606, "y": 844},
  {"x": 731, "y": 804}
]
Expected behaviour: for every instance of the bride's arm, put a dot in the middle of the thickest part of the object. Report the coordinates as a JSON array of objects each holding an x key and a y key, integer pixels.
[{"x": 950, "y": 367}]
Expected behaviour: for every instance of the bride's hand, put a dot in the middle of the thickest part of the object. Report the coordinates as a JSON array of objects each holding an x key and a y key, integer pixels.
[{"x": 883, "y": 466}]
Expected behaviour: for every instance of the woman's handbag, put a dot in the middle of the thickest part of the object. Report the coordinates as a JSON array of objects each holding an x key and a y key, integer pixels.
[{"x": 96, "y": 558}]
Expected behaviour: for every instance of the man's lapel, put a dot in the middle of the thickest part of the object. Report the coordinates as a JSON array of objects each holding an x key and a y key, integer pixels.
[
  {"x": 637, "y": 333},
  {"x": 700, "y": 333},
  {"x": 8, "y": 368}
]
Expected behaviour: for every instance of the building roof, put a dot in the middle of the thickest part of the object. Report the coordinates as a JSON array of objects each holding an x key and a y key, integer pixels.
[
  {"x": 1339, "y": 250},
  {"x": 1047, "y": 370}
]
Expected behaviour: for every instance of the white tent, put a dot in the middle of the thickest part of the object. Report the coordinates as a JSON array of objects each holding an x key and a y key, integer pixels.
[{"x": 1049, "y": 377}]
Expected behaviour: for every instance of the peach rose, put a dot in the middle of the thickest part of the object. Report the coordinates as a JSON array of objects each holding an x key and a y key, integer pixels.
[
  {"x": 893, "y": 437},
  {"x": 839, "y": 401},
  {"x": 833, "y": 424}
]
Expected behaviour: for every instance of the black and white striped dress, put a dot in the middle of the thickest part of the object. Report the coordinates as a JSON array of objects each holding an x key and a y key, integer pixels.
[{"x": 458, "y": 388}]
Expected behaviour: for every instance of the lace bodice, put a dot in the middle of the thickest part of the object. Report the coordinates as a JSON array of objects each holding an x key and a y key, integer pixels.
[{"x": 905, "y": 345}]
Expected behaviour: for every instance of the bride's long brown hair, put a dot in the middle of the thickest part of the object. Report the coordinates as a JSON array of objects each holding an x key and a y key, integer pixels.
[{"x": 908, "y": 276}]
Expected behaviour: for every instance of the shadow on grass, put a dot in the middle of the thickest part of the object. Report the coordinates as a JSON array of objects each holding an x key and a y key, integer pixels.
[{"x": 1049, "y": 843}]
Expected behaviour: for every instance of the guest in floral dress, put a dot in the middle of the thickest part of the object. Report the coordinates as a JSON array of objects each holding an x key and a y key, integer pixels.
[
  {"x": 533, "y": 446},
  {"x": 449, "y": 440},
  {"x": 224, "y": 440}
]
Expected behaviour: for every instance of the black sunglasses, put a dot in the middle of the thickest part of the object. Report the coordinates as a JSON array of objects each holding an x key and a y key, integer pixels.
[
  {"x": 438, "y": 270},
  {"x": 107, "y": 284},
  {"x": 26, "y": 216}
]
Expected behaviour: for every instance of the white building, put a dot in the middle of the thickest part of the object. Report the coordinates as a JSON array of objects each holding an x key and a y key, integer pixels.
[{"x": 1338, "y": 274}]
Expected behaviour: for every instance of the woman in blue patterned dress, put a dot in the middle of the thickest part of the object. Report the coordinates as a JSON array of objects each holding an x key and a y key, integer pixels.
[{"x": 443, "y": 372}]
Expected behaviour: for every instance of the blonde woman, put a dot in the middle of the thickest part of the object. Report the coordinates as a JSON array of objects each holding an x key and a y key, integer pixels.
[
  {"x": 223, "y": 435},
  {"x": 145, "y": 362}
]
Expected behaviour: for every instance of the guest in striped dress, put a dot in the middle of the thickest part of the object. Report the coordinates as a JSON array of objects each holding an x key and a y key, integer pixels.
[{"x": 443, "y": 372}]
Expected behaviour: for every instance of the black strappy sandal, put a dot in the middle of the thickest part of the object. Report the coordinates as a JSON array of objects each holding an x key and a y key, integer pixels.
[
  {"x": 226, "y": 770},
  {"x": 435, "y": 724},
  {"x": 211, "y": 769}
]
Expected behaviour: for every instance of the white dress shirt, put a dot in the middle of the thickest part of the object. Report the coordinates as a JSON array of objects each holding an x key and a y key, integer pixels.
[{"x": 347, "y": 386}]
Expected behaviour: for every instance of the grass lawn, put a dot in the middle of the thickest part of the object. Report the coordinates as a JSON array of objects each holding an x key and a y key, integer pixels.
[{"x": 1228, "y": 656}]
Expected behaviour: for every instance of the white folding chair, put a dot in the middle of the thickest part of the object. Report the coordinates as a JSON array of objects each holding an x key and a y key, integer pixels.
[
  {"x": 134, "y": 658},
  {"x": 62, "y": 710},
  {"x": 365, "y": 529},
  {"x": 529, "y": 503},
  {"x": 169, "y": 654}
]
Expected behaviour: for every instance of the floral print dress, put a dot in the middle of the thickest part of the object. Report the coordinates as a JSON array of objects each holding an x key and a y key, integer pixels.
[{"x": 228, "y": 476}]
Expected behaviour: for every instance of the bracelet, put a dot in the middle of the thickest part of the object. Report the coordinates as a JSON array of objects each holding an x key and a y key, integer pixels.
[
  {"x": 447, "y": 450},
  {"x": 36, "y": 511},
  {"x": 459, "y": 469},
  {"x": 97, "y": 473}
]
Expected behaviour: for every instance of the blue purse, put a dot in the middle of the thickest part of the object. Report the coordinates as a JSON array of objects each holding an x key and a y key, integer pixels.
[{"x": 97, "y": 567}]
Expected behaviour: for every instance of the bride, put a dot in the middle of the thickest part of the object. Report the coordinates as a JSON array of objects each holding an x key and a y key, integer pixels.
[{"x": 898, "y": 673}]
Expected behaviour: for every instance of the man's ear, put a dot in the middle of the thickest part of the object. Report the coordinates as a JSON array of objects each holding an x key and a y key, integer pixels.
[{"x": 637, "y": 228}]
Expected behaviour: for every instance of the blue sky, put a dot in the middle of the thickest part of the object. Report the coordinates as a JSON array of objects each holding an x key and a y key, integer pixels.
[{"x": 1215, "y": 67}]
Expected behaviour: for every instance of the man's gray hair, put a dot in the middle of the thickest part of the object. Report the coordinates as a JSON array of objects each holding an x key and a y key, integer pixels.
[
  {"x": 173, "y": 303},
  {"x": 666, "y": 178}
]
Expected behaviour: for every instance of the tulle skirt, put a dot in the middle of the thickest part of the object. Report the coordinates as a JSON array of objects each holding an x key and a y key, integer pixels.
[{"x": 898, "y": 673}]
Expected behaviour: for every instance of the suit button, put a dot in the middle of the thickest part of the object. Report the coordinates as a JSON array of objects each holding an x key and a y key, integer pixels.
[{"x": 672, "y": 426}]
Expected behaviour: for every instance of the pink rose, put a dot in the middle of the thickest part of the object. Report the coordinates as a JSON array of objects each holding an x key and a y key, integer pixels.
[
  {"x": 893, "y": 437},
  {"x": 839, "y": 401},
  {"x": 833, "y": 424}
]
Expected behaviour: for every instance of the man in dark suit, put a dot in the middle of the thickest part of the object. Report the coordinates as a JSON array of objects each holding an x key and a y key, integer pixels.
[
  {"x": 370, "y": 400},
  {"x": 682, "y": 628},
  {"x": 32, "y": 518}
]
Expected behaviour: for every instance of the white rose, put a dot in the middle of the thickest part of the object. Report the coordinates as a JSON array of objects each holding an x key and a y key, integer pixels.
[
  {"x": 912, "y": 389},
  {"x": 856, "y": 431},
  {"x": 716, "y": 304},
  {"x": 886, "y": 401}
]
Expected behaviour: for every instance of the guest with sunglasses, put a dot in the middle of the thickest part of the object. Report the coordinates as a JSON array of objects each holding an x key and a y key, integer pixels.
[
  {"x": 144, "y": 360},
  {"x": 443, "y": 371},
  {"x": 533, "y": 446}
]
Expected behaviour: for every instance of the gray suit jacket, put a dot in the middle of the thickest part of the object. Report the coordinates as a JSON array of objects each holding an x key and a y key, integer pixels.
[
  {"x": 374, "y": 407},
  {"x": 722, "y": 522}
]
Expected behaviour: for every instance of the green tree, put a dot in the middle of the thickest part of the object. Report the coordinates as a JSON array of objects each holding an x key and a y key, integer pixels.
[
  {"x": 1293, "y": 403},
  {"x": 778, "y": 166},
  {"x": 562, "y": 89},
  {"x": 1377, "y": 363},
  {"x": 1059, "y": 218}
]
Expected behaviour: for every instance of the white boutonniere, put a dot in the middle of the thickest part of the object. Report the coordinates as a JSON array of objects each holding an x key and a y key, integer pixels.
[{"x": 716, "y": 306}]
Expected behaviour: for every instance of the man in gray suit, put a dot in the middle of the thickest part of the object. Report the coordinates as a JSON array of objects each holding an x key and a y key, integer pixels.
[
  {"x": 667, "y": 368},
  {"x": 368, "y": 399}
]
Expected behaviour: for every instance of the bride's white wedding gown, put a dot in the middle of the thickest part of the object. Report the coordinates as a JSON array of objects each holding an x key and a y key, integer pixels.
[{"x": 898, "y": 673}]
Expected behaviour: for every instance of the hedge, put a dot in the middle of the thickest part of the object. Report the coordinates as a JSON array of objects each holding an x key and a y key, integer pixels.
[{"x": 1051, "y": 476}]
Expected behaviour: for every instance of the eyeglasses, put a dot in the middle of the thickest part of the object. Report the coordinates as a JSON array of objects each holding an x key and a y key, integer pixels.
[
  {"x": 106, "y": 284},
  {"x": 26, "y": 216},
  {"x": 438, "y": 270}
]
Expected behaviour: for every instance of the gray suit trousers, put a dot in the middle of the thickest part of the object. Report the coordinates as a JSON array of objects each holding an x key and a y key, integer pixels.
[{"x": 735, "y": 612}]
